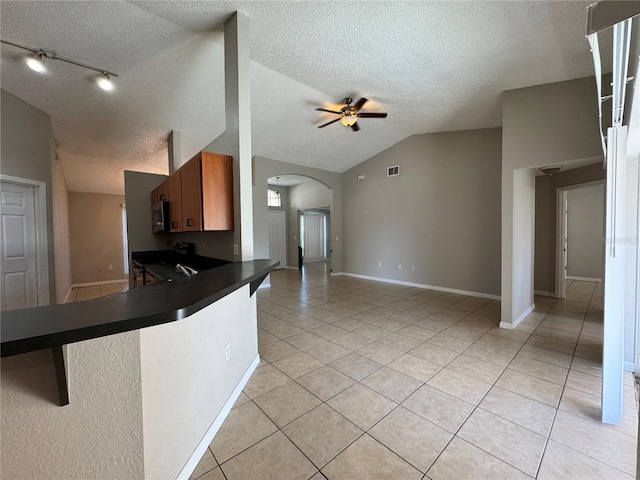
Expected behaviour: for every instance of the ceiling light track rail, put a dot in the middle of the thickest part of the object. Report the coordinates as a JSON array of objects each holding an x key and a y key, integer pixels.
[{"x": 55, "y": 56}]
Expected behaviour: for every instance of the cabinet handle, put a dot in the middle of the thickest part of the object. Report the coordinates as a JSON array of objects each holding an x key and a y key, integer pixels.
[
  {"x": 162, "y": 197},
  {"x": 189, "y": 222},
  {"x": 174, "y": 224}
]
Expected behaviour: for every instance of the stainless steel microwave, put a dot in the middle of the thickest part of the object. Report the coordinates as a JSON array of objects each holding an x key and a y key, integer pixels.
[{"x": 160, "y": 217}]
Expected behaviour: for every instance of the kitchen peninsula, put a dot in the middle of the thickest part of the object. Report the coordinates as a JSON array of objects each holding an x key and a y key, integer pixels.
[{"x": 149, "y": 378}]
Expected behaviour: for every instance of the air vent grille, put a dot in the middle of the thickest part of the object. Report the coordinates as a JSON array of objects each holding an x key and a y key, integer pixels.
[{"x": 393, "y": 171}]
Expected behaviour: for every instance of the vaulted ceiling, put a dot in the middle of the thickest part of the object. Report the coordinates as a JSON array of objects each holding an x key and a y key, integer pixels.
[{"x": 433, "y": 66}]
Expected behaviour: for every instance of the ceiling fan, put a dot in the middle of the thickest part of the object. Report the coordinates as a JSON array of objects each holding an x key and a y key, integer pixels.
[{"x": 349, "y": 114}]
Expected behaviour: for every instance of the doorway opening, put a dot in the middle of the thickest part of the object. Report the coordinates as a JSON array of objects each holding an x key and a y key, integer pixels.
[
  {"x": 314, "y": 234},
  {"x": 580, "y": 233},
  {"x": 299, "y": 216}
]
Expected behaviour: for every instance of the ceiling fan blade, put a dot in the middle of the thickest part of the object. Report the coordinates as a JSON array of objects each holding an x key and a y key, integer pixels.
[
  {"x": 372, "y": 115},
  {"x": 358, "y": 105},
  {"x": 355, "y": 127},
  {"x": 329, "y": 123},
  {"x": 328, "y": 111}
]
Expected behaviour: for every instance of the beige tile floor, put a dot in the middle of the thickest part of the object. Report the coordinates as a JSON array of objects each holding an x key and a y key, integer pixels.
[
  {"x": 365, "y": 380},
  {"x": 80, "y": 294}
]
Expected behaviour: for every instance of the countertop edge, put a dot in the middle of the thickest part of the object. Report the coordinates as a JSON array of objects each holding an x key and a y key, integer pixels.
[{"x": 189, "y": 297}]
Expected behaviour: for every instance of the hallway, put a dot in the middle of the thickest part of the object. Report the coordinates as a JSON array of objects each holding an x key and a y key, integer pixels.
[{"x": 365, "y": 380}]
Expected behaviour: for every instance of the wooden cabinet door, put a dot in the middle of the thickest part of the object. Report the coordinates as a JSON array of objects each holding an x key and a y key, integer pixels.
[
  {"x": 217, "y": 191},
  {"x": 175, "y": 203},
  {"x": 191, "y": 186},
  {"x": 163, "y": 191}
]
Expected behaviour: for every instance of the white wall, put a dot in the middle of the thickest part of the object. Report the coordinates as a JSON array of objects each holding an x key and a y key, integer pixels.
[
  {"x": 542, "y": 125},
  {"x": 441, "y": 215},
  {"x": 186, "y": 381},
  {"x": 585, "y": 223}
]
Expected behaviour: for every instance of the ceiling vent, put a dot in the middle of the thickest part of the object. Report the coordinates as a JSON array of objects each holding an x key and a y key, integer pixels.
[{"x": 393, "y": 171}]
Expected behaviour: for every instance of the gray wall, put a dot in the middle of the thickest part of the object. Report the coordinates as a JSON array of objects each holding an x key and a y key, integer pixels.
[
  {"x": 441, "y": 215},
  {"x": 62, "y": 242},
  {"x": 542, "y": 125},
  {"x": 137, "y": 192},
  {"x": 26, "y": 152},
  {"x": 585, "y": 224},
  {"x": 265, "y": 168},
  {"x": 545, "y": 220},
  {"x": 95, "y": 222}
]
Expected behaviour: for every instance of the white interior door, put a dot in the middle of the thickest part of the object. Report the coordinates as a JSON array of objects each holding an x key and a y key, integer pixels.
[
  {"x": 18, "y": 250},
  {"x": 313, "y": 237},
  {"x": 278, "y": 238}
]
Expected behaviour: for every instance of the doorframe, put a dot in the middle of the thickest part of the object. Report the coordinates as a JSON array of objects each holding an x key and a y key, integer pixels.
[
  {"x": 560, "y": 226},
  {"x": 42, "y": 242},
  {"x": 284, "y": 224}
]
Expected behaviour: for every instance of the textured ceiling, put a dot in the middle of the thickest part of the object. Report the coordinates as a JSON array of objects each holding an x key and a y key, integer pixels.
[{"x": 433, "y": 66}]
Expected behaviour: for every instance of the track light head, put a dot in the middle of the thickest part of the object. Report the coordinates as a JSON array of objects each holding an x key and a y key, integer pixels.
[
  {"x": 36, "y": 62},
  {"x": 104, "y": 82}
]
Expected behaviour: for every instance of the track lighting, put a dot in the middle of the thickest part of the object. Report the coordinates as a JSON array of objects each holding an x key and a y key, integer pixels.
[
  {"x": 35, "y": 63},
  {"x": 104, "y": 82}
]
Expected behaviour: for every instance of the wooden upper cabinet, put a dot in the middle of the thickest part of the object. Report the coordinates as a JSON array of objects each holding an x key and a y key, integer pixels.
[
  {"x": 163, "y": 191},
  {"x": 175, "y": 203},
  {"x": 200, "y": 194},
  {"x": 191, "y": 186},
  {"x": 217, "y": 191}
]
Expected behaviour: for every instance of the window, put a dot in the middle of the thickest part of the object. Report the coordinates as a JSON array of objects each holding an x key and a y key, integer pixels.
[{"x": 273, "y": 198}]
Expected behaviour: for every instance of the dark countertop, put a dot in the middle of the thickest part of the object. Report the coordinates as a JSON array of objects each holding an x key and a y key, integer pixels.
[
  {"x": 33, "y": 329},
  {"x": 162, "y": 263}
]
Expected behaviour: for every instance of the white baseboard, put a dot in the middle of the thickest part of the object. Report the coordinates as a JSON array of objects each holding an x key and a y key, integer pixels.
[
  {"x": 584, "y": 279},
  {"x": 193, "y": 461},
  {"x": 542, "y": 293},
  {"x": 518, "y": 321},
  {"x": 292, "y": 268},
  {"x": 629, "y": 367},
  {"x": 337, "y": 274},
  {"x": 93, "y": 284},
  {"x": 422, "y": 285}
]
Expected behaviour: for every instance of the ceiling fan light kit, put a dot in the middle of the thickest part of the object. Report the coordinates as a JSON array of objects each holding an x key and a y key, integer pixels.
[
  {"x": 551, "y": 169},
  {"x": 349, "y": 114}
]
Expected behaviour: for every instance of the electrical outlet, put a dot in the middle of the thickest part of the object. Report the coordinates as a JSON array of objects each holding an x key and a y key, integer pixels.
[
  {"x": 413, "y": 268},
  {"x": 227, "y": 352},
  {"x": 379, "y": 264},
  {"x": 399, "y": 267},
  {"x": 236, "y": 249},
  {"x": 204, "y": 246},
  {"x": 110, "y": 267}
]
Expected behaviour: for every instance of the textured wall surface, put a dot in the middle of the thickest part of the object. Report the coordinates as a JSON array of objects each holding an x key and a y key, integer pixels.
[
  {"x": 97, "y": 436},
  {"x": 186, "y": 380},
  {"x": 61, "y": 242},
  {"x": 26, "y": 152},
  {"x": 585, "y": 231},
  {"x": 95, "y": 226},
  {"x": 441, "y": 215}
]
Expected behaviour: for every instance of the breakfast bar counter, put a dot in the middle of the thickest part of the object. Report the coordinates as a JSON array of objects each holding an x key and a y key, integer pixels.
[{"x": 52, "y": 326}]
